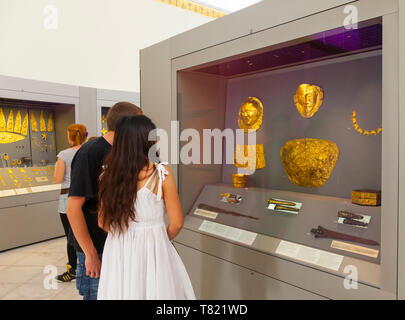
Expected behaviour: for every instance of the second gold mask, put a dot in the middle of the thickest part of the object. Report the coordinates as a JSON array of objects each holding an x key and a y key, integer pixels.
[{"x": 308, "y": 99}]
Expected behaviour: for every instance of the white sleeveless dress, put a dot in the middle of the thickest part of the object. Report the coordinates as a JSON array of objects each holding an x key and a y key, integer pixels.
[{"x": 142, "y": 263}]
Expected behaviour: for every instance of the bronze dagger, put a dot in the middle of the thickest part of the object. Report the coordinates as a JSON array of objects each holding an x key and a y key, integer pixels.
[
  {"x": 219, "y": 210},
  {"x": 349, "y": 215},
  {"x": 325, "y": 233},
  {"x": 352, "y": 222}
]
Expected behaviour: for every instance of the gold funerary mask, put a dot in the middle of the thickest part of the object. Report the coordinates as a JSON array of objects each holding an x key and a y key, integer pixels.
[
  {"x": 309, "y": 162},
  {"x": 251, "y": 114},
  {"x": 308, "y": 99}
]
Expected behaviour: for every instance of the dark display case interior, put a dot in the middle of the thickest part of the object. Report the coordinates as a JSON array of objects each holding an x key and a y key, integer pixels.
[{"x": 320, "y": 132}]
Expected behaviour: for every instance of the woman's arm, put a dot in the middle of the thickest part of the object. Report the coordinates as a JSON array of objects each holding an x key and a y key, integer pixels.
[
  {"x": 173, "y": 206},
  {"x": 59, "y": 173}
]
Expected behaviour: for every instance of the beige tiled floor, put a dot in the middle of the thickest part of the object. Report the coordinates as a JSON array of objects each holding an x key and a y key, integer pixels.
[{"x": 23, "y": 275}]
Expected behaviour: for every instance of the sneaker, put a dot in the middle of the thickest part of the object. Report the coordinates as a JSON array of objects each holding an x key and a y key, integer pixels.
[{"x": 68, "y": 276}]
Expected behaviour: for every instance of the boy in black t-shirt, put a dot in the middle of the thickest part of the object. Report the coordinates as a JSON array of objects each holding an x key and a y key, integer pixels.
[{"x": 82, "y": 206}]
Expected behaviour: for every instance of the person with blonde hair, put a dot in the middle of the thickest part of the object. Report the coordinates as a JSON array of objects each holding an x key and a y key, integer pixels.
[{"x": 76, "y": 136}]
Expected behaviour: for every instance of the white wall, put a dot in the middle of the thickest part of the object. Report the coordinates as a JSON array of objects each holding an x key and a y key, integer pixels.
[{"x": 96, "y": 43}]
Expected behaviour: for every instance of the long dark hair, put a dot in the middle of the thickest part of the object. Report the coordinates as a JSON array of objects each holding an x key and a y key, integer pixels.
[{"x": 118, "y": 183}]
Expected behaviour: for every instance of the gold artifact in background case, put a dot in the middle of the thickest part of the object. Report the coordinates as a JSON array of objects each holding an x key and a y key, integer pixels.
[
  {"x": 366, "y": 197},
  {"x": 308, "y": 99},
  {"x": 309, "y": 162},
  {"x": 10, "y": 133},
  {"x": 250, "y": 114},
  {"x": 363, "y": 131},
  {"x": 239, "y": 180},
  {"x": 34, "y": 123}
]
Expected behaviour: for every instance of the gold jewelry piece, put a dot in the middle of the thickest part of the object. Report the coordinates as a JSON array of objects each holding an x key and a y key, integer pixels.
[
  {"x": 309, "y": 162},
  {"x": 10, "y": 136},
  {"x": 362, "y": 131},
  {"x": 50, "y": 122},
  {"x": 17, "y": 127},
  {"x": 308, "y": 99},
  {"x": 10, "y": 121},
  {"x": 34, "y": 123},
  {"x": 42, "y": 125},
  {"x": 366, "y": 197},
  {"x": 104, "y": 131},
  {"x": 2, "y": 120},
  {"x": 103, "y": 118},
  {"x": 251, "y": 114},
  {"x": 254, "y": 155},
  {"x": 24, "y": 127}
]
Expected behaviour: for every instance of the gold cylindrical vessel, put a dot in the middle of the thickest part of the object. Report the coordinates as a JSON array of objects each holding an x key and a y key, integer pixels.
[{"x": 239, "y": 180}]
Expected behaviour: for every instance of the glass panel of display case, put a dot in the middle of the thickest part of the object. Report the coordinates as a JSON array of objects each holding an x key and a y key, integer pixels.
[
  {"x": 104, "y": 127},
  {"x": 29, "y": 131},
  {"x": 315, "y": 105}
]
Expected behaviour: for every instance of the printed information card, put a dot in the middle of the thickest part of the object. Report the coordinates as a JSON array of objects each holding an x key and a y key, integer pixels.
[
  {"x": 231, "y": 233},
  {"x": 310, "y": 255}
]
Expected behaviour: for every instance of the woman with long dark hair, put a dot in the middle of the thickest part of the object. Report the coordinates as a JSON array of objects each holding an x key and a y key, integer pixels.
[{"x": 139, "y": 261}]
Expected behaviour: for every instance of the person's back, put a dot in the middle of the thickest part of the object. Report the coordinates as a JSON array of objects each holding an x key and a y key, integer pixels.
[
  {"x": 139, "y": 261},
  {"x": 76, "y": 136},
  {"x": 83, "y": 203}
]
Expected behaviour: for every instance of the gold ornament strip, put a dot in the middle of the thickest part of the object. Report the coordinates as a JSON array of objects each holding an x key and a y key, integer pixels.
[
  {"x": 50, "y": 122},
  {"x": 34, "y": 123},
  {"x": 194, "y": 7},
  {"x": 10, "y": 121},
  {"x": 17, "y": 126},
  {"x": 42, "y": 125},
  {"x": 24, "y": 128},
  {"x": 2, "y": 120},
  {"x": 363, "y": 131}
]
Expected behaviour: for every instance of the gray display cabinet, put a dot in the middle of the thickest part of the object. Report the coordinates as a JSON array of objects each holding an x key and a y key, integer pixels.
[
  {"x": 28, "y": 196},
  {"x": 201, "y": 77}
]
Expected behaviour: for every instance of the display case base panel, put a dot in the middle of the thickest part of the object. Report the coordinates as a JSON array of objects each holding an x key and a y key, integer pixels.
[
  {"x": 252, "y": 214},
  {"x": 214, "y": 278},
  {"x": 27, "y": 224}
]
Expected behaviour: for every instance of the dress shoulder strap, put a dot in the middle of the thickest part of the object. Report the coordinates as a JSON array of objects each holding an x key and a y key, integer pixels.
[{"x": 162, "y": 173}]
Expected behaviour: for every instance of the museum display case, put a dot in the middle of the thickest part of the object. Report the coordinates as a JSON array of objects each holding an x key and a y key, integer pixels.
[
  {"x": 34, "y": 117},
  {"x": 313, "y": 153},
  {"x": 312, "y": 203},
  {"x": 29, "y": 134}
]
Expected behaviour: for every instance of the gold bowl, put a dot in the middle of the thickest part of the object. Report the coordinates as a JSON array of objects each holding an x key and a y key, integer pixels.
[{"x": 309, "y": 162}]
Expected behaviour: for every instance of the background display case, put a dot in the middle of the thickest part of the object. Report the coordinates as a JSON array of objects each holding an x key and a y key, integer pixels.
[
  {"x": 245, "y": 250},
  {"x": 34, "y": 117}
]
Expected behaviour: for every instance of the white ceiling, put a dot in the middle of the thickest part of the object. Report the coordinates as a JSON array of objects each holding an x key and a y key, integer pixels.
[{"x": 227, "y": 5}]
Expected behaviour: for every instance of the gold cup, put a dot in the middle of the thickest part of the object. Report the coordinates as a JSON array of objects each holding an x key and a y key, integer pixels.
[{"x": 239, "y": 180}]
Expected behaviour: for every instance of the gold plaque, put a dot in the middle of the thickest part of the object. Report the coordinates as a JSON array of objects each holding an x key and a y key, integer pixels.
[
  {"x": 366, "y": 197},
  {"x": 239, "y": 180},
  {"x": 308, "y": 99},
  {"x": 249, "y": 157},
  {"x": 309, "y": 162},
  {"x": 251, "y": 114}
]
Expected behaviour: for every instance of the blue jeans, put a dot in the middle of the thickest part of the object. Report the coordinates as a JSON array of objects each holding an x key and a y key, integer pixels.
[{"x": 86, "y": 286}]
